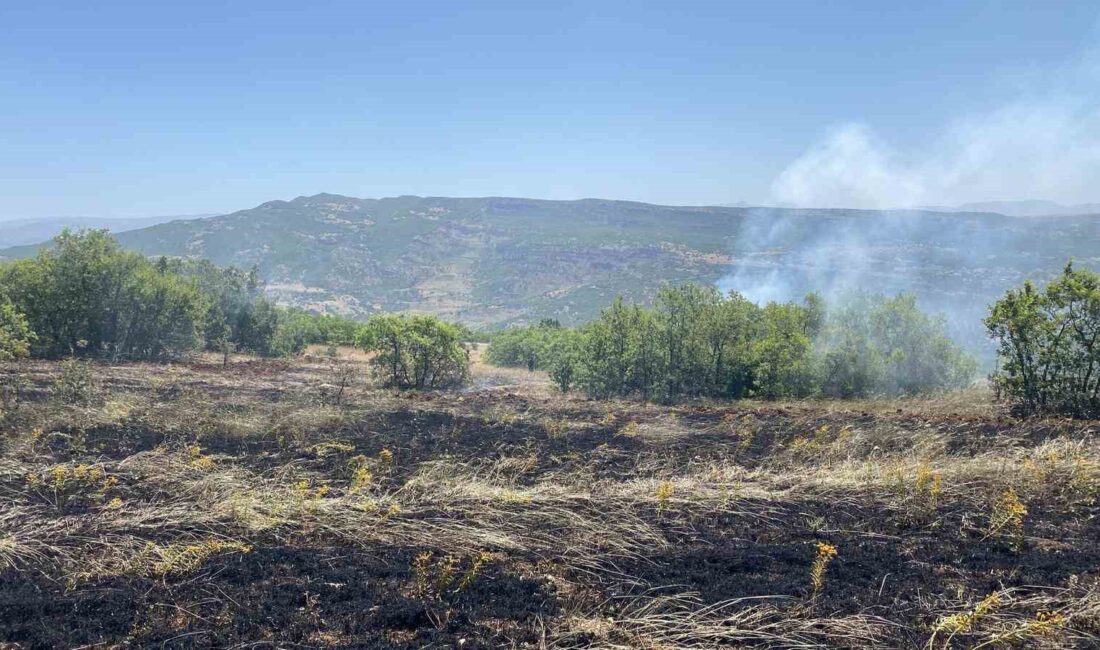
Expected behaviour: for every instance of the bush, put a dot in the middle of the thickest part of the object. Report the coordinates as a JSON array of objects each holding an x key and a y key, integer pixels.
[
  {"x": 564, "y": 360},
  {"x": 610, "y": 353},
  {"x": 15, "y": 340},
  {"x": 874, "y": 345},
  {"x": 1048, "y": 344},
  {"x": 416, "y": 352},
  {"x": 76, "y": 384},
  {"x": 546, "y": 346},
  {"x": 15, "y": 334},
  {"x": 696, "y": 342},
  {"x": 526, "y": 347},
  {"x": 781, "y": 356}
]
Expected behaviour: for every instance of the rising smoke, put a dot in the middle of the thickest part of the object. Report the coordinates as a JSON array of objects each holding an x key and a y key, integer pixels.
[
  {"x": 1044, "y": 143},
  {"x": 955, "y": 264}
]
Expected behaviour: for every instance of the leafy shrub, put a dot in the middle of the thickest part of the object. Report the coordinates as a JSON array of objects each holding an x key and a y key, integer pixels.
[
  {"x": 781, "y": 356},
  {"x": 416, "y": 352},
  {"x": 86, "y": 288},
  {"x": 1048, "y": 344},
  {"x": 76, "y": 384},
  {"x": 874, "y": 345},
  {"x": 534, "y": 348},
  {"x": 15, "y": 334},
  {"x": 564, "y": 360},
  {"x": 517, "y": 348}
]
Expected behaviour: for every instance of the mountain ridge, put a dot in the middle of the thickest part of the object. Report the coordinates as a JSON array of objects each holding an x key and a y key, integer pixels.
[
  {"x": 496, "y": 261},
  {"x": 1024, "y": 208}
]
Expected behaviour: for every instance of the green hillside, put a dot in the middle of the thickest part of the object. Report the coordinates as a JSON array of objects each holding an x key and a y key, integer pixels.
[
  {"x": 486, "y": 261},
  {"x": 495, "y": 261}
]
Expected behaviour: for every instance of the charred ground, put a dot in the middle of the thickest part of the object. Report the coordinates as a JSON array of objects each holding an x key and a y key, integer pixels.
[{"x": 259, "y": 505}]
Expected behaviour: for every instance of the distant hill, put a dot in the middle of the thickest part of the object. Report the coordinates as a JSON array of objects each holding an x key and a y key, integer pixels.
[
  {"x": 495, "y": 261},
  {"x": 21, "y": 232},
  {"x": 1028, "y": 208}
]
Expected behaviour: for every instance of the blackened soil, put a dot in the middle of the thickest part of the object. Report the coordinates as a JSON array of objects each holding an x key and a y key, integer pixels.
[{"x": 284, "y": 596}]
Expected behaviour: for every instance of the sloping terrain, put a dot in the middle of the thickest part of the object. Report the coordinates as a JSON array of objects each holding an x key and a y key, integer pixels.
[
  {"x": 260, "y": 505},
  {"x": 484, "y": 261},
  {"x": 493, "y": 261}
]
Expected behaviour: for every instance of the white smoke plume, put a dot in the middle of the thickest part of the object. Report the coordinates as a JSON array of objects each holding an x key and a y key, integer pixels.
[{"x": 1045, "y": 143}]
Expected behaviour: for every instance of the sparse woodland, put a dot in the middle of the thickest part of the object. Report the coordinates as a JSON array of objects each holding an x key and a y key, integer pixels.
[
  {"x": 718, "y": 474},
  {"x": 695, "y": 342}
]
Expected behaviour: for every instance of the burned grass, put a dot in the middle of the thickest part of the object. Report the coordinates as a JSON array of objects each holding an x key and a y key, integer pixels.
[{"x": 201, "y": 506}]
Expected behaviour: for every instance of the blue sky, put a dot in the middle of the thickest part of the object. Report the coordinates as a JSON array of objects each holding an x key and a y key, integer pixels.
[{"x": 142, "y": 108}]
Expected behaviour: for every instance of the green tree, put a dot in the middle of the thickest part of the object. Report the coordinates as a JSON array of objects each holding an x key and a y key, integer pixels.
[
  {"x": 919, "y": 355},
  {"x": 564, "y": 360},
  {"x": 682, "y": 315},
  {"x": 156, "y": 315},
  {"x": 1048, "y": 344},
  {"x": 647, "y": 362},
  {"x": 607, "y": 351},
  {"x": 526, "y": 347},
  {"x": 781, "y": 354},
  {"x": 421, "y": 352},
  {"x": 874, "y": 345},
  {"x": 86, "y": 296},
  {"x": 730, "y": 326},
  {"x": 696, "y": 342}
]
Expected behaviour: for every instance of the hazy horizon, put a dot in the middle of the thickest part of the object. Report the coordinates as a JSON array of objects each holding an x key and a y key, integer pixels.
[{"x": 1037, "y": 205}]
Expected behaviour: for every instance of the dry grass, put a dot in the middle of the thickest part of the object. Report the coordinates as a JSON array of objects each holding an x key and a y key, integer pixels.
[{"x": 218, "y": 507}]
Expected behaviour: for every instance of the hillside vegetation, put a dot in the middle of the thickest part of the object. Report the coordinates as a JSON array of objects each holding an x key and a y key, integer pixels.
[{"x": 495, "y": 261}]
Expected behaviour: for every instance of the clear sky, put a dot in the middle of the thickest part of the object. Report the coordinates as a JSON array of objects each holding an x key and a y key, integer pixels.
[{"x": 143, "y": 108}]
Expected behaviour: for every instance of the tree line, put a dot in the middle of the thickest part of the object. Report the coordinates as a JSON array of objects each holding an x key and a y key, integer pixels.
[
  {"x": 696, "y": 342},
  {"x": 86, "y": 297}
]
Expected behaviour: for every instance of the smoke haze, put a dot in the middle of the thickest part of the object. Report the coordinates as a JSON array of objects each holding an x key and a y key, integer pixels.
[{"x": 1044, "y": 143}]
